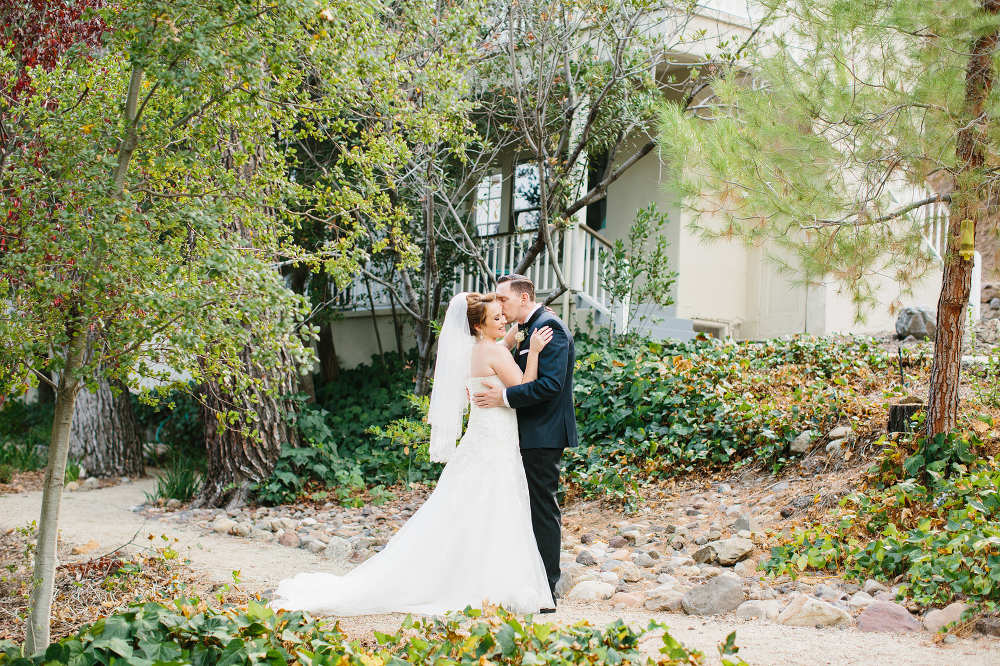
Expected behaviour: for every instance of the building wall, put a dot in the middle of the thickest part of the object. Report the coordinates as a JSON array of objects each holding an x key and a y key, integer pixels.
[
  {"x": 841, "y": 313},
  {"x": 354, "y": 337}
]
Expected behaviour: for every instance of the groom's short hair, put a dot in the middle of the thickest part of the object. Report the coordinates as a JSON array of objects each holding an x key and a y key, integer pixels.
[{"x": 519, "y": 284}]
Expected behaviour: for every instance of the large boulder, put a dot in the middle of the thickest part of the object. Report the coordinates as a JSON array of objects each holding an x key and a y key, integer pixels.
[
  {"x": 919, "y": 321},
  {"x": 722, "y": 594}
]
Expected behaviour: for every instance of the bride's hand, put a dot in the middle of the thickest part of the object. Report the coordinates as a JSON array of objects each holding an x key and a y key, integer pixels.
[{"x": 541, "y": 337}]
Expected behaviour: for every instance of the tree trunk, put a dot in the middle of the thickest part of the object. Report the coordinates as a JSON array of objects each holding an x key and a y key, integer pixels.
[
  {"x": 105, "y": 434},
  {"x": 329, "y": 367},
  {"x": 237, "y": 459},
  {"x": 942, "y": 404},
  {"x": 425, "y": 347},
  {"x": 37, "y": 633},
  {"x": 46, "y": 394}
]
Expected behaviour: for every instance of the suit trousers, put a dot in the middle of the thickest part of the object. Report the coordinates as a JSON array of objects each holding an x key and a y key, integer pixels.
[{"x": 542, "y": 467}]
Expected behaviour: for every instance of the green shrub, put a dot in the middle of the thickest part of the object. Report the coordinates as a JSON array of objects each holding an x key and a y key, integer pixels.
[
  {"x": 72, "y": 471},
  {"x": 178, "y": 481},
  {"x": 25, "y": 431},
  {"x": 177, "y": 427},
  {"x": 191, "y": 632},
  {"x": 6, "y": 473},
  {"x": 940, "y": 534},
  {"x": 652, "y": 409}
]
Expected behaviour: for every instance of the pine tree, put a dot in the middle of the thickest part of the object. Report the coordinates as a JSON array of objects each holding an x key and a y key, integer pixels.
[{"x": 807, "y": 141}]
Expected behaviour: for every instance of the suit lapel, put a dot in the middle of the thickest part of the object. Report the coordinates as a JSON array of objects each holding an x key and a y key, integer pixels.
[{"x": 522, "y": 360}]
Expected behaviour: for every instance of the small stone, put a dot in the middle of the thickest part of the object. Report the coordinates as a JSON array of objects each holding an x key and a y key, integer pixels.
[
  {"x": 936, "y": 620},
  {"x": 872, "y": 586},
  {"x": 586, "y": 559},
  {"x": 804, "y": 611},
  {"x": 734, "y": 511},
  {"x": 588, "y": 538},
  {"x": 700, "y": 541},
  {"x": 315, "y": 546},
  {"x": 841, "y": 432},
  {"x": 860, "y": 600},
  {"x": 746, "y": 523},
  {"x": 886, "y": 596},
  {"x": 338, "y": 549},
  {"x": 261, "y": 535},
  {"x": 825, "y": 591},
  {"x": 289, "y": 538},
  {"x": 124, "y": 479},
  {"x": 787, "y": 511},
  {"x": 743, "y": 570},
  {"x": 174, "y": 504},
  {"x": 722, "y": 594},
  {"x": 85, "y": 548},
  {"x": 779, "y": 487},
  {"x": 627, "y": 599},
  {"x": 72, "y": 486},
  {"x": 765, "y": 609},
  {"x": 592, "y": 590},
  {"x": 664, "y": 599},
  {"x": 644, "y": 560},
  {"x": 725, "y": 488},
  {"x": 308, "y": 522},
  {"x": 617, "y": 542},
  {"x": 731, "y": 551},
  {"x": 223, "y": 525},
  {"x": 705, "y": 554},
  {"x": 988, "y": 626},
  {"x": 889, "y": 617},
  {"x": 948, "y": 640},
  {"x": 835, "y": 446},
  {"x": 629, "y": 572},
  {"x": 803, "y": 443},
  {"x": 241, "y": 529}
]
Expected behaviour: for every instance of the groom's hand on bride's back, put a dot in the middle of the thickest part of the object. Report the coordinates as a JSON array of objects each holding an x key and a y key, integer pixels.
[{"x": 490, "y": 396}]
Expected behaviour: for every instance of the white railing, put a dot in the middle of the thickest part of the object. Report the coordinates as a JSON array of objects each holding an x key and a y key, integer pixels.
[{"x": 579, "y": 256}]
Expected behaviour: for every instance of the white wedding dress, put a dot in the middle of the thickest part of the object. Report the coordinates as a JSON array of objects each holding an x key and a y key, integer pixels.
[{"x": 471, "y": 541}]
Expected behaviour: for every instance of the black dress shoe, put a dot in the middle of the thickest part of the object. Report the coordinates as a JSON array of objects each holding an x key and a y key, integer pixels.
[{"x": 546, "y": 610}]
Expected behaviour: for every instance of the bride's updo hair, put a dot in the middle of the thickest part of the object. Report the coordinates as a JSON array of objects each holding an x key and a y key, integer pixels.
[{"x": 477, "y": 308}]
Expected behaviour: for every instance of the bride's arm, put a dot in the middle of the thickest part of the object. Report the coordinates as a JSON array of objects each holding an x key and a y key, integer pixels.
[
  {"x": 539, "y": 339},
  {"x": 506, "y": 368},
  {"x": 510, "y": 339}
]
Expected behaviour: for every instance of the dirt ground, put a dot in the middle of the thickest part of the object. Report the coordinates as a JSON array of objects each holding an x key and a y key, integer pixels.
[{"x": 106, "y": 516}]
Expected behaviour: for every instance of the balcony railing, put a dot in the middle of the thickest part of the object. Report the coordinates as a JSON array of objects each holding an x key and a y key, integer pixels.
[{"x": 578, "y": 253}]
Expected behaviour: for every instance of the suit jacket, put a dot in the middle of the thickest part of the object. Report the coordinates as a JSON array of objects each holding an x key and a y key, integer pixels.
[{"x": 546, "y": 418}]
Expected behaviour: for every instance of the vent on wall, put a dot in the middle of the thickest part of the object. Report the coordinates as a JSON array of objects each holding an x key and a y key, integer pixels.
[{"x": 711, "y": 328}]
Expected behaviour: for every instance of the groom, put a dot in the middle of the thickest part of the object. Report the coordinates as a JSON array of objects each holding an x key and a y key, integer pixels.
[{"x": 546, "y": 418}]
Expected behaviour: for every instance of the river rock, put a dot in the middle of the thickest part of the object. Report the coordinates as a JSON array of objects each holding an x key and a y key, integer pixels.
[
  {"x": 645, "y": 561},
  {"x": 72, "y": 486},
  {"x": 764, "y": 609},
  {"x": 289, "y": 538},
  {"x": 731, "y": 551},
  {"x": 919, "y": 321},
  {"x": 261, "y": 535},
  {"x": 804, "y": 611},
  {"x": 988, "y": 626},
  {"x": 223, "y": 525},
  {"x": 241, "y": 529},
  {"x": 936, "y": 620},
  {"x": 872, "y": 587},
  {"x": 705, "y": 554},
  {"x": 803, "y": 443},
  {"x": 627, "y": 599},
  {"x": 670, "y": 601},
  {"x": 617, "y": 542},
  {"x": 860, "y": 600},
  {"x": 592, "y": 590},
  {"x": 566, "y": 582},
  {"x": 629, "y": 572},
  {"x": 889, "y": 617},
  {"x": 586, "y": 558},
  {"x": 722, "y": 594},
  {"x": 314, "y": 546},
  {"x": 746, "y": 522}
]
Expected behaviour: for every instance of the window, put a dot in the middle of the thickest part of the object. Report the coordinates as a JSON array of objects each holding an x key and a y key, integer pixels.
[
  {"x": 526, "y": 196},
  {"x": 597, "y": 212},
  {"x": 488, "y": 200}
]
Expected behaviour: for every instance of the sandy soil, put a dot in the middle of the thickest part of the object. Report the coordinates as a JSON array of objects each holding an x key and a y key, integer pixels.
[{"x": 106, "y": 515}]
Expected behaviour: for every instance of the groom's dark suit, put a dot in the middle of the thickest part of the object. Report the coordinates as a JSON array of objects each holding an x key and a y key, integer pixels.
[{"x": 546, "y": 421}]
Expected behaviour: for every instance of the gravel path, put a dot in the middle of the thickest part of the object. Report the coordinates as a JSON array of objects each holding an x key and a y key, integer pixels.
[{"x": 105, "y": 515}]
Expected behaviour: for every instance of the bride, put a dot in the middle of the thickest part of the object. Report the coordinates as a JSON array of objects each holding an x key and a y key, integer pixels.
[{"x": 471, "y": 541}]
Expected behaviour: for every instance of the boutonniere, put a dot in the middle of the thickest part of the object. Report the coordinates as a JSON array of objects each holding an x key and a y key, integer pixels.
[{"x": 519, "y": 336}]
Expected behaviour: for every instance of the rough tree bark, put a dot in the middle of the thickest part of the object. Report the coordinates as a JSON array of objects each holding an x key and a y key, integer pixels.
[
  {"x": 329, "y": 367},
  {"x": 37, "y": 632},
  {"x": 236, "y": 457},
  {"x": 942, "y": 404},
  {"x": 105, "y": 434}
]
